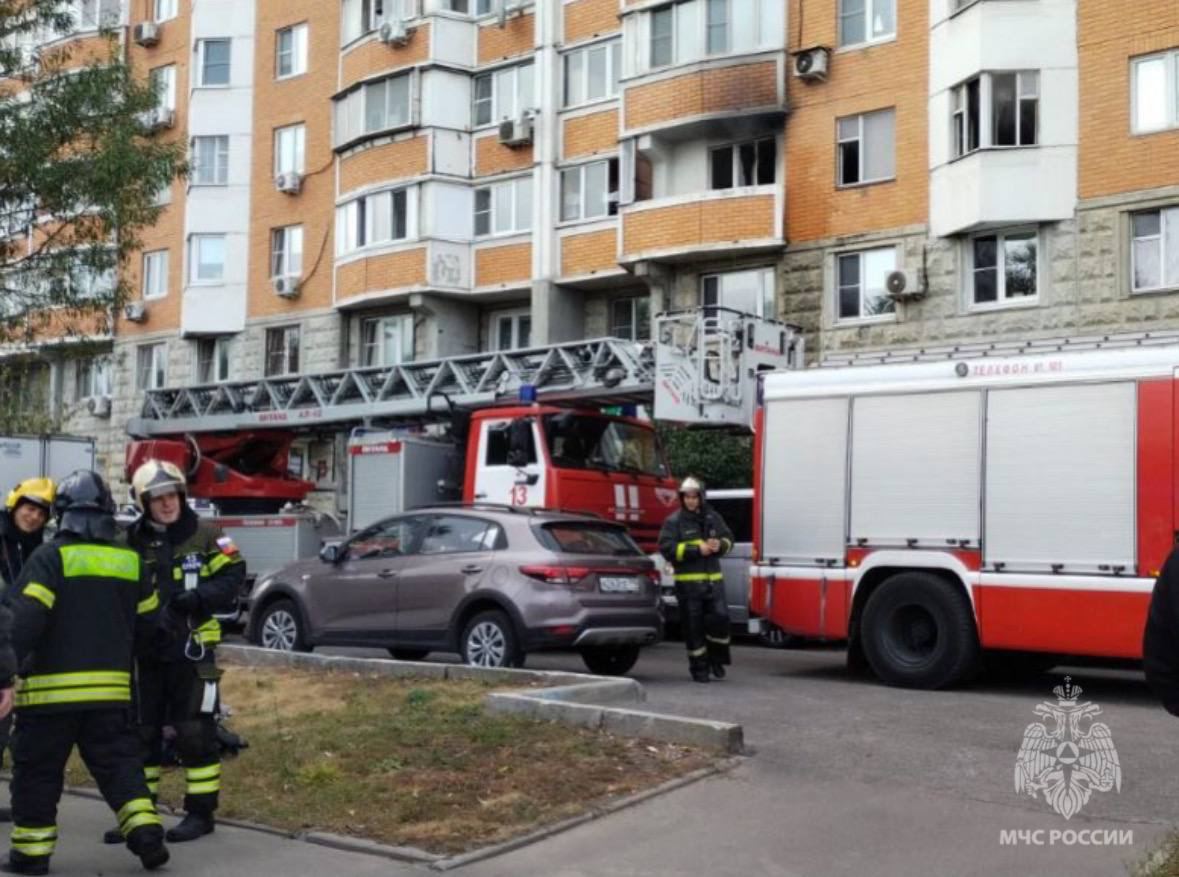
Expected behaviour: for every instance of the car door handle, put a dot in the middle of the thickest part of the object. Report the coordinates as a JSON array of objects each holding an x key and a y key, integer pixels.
[
  {"x": 387, "y": 574},
  {"x": 480, "y": 496},
  {"x": 470, "y": 569}
]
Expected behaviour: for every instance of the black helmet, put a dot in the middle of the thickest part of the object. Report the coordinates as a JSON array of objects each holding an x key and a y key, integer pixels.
[{"x": 84, "y": 505}]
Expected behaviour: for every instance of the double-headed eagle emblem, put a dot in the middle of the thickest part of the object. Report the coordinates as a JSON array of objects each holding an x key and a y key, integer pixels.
[{"x": 1068, "y": 756}]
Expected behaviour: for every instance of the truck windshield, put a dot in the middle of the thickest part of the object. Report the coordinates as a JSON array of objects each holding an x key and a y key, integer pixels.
[{"x": 583, "y": 441}]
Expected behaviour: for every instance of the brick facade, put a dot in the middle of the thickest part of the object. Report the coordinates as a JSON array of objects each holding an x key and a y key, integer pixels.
[
  {"x": 393, "y": 160},
  {"x": 712, "y": 222},
  {"x": 586, "y": 19},
  {"x": 590, "y": 135},
  {"x": 589, "y": 253},
  {"x": 378, "y": 273},
  {"x": 718, "y": 90},
  {"x": 509, "y": 265},
  {"x": 493, "y": 157},
  {"x": 516, "y": 37},
  {"x": 372, "y": 57}
]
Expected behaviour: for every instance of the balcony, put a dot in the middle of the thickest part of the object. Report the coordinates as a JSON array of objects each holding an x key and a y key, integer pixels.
[
  {"x": 683, "y": 228},
  {"x": 685, "y": 100}
]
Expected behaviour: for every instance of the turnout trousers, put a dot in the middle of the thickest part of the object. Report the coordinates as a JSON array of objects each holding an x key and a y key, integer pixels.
[
  {"x": 106, "y": 740},
  {"x": 704, "y": 615}
]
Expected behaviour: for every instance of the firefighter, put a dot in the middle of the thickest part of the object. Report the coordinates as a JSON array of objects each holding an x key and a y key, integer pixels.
[
  {"x": 81, "y": 607},
  {"x": 1160, "y": 644},
  {"x": 693, "y": 540},
  {"x": 198, "y": 572}
]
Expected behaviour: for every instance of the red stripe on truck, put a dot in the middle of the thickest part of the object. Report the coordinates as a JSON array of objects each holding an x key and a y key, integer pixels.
[{"x": 380, "y": 448}]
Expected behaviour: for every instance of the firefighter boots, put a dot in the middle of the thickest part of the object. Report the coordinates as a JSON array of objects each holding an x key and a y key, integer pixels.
[{"x": 191, "y": 827}]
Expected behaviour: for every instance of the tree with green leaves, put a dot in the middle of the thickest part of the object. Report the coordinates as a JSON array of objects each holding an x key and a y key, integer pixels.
[
  {"x": 79, "y": 172},
  {"x": 719, "y": 459}
]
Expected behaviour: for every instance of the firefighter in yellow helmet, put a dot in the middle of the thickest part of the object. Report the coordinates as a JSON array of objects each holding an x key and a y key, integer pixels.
[
  {"x": 693, "y": 540},
  {"x": 22, "y": 526},
  {"x": 198, "y": 572}
]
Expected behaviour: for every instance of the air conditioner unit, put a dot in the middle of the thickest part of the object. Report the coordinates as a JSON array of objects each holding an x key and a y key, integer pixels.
[
  {"x": 147, "y": 34},
  {"x": 157, "y": 119},
  {"x": 290, "y": 182},
  {"x": 811, "y": 64},
  {"x": 99, "y": 406},
  {"x": 516, "y": 132},
  {"x": 135, "y": 311},
  {"x": 900, "y": 287},
  {"x": 394, "y": 33},
  {"x": 286, "y": 285}
]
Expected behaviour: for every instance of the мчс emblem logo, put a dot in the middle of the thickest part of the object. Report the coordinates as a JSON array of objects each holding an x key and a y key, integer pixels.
[{"x": 1068, "y": 756}]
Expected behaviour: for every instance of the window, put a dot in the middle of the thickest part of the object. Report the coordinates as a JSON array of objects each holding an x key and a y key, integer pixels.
[
  {"x": 210, "y": 161},
  {"x": 155, "y": 274},
  {"x": 1155, "y": 92},
  {"x": 996, "y": 109},
  {"x": 163, "y": 83},
  {"x": 592, "y": 73},
  {"x": 1003, "y": 267},
  {"x": 1155, "y": 249},
  {"x": 595, "y": 442},
  {"x": 512, "y": 331},
  {"x": 375, "y": 106},
  {"x": 510, "y": 440},
  {"x": 212, "y": 63},
  {"x": 207, "y": 256},
  {"x": 363, "y": 16},
  {"x": 89, "y": 282},
  {"x": 864, "y": 21},
  {"x": 290, "y": 51},
  {"x": 93, "y": 378},
  {"x": 663, "y": 37},
  {"x": 212, "y": 360},
  {"x": 91, "y": 14},
  {"x": 866, "y": 148},
  {"x": 504, "y": 94},
  {"x": 451, "y": 534},
  {"x": 164, "y": 10},
  {"x": 589, "y": 190},
  {"x": 290, "y": 149},
  {"x": 386, "y": 340},
  {"x": 630, "y": 318},
  {"x": 286, "y": 251},
  {"x": 504, "y": 208},
  {"x": 750, "y": 292},
  {"x": 282, "y": 351},
  {"x": 374, "y": 219},
  {"x": 151, "y": 366},
  {"x": 744, "y": 164},
  {"x": 860, "y": 280}
]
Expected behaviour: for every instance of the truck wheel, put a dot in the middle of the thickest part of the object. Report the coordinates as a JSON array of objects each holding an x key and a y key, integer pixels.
[
  {"x": 281, "y": 628},
  {"x": 918, "y": 632},
  {"x": 408, "y": 654},
  {"x": 610, "y": 660},
  {"x": 489, "y": 640}
]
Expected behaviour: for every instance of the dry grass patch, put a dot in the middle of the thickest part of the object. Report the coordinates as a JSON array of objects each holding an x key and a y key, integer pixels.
[{"x": 415, "y": 762}]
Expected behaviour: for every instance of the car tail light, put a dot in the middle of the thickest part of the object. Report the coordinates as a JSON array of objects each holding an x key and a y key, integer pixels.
[
  {"x": 569, "y": 576},
  {"x": 655, "y": 576}
]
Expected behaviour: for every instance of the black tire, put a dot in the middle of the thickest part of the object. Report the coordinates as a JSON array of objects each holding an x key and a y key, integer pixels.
[
  {"x": 918, "y": 631},
  {"x": 408, "y": 654},
  {"x": 280, "y": 627},
  {"x": 489, "y": 640},
  {"x": 610, "y": 660}
]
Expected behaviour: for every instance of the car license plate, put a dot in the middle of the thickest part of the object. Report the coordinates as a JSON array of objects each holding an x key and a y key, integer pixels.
[{"x": 618, "y": 584}]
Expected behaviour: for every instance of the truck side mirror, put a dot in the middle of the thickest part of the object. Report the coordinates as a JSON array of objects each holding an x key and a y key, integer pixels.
[{"x": 331, "y": 554}]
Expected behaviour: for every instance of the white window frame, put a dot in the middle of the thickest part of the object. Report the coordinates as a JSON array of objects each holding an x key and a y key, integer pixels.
[
  {"x": 78, "y": 7},
  {"x": 516, "y": 316},
  {"x": 166, "y": 76},
  {"x": 93, "y": 378},
  {"x": 580, "y": 174},
  {"x": 221, "y": 357},
  {"x": 580, "y": 79},
  {"x": 1002, "y": 298},
  {"x": 155, "y": 274},
  {"x": 634, "y": 304},
  {"x": 960, "y": 120},
  {"x": 219, "y": 143},
  {"x": 515, "y": 225},
  {"x": 1167, "y": 214},
  {"x": 194, "y": 249},
  {"x": 286, "y": 251},
  {"x": 736, "y": 163},
  {"x": 156, "y": 357},
  {"x": 164, "y": 10},
  {"x": 290, "y": 149},
  {"x": 869, "y": 14},
  {"x": 288, "y": 332},
  {"x": 201, "y": 47},
  {"x": 359, "y": 224},
  {"x": 766, "y": 301},
  {"x": 1170, "y": 61},
  {"x": 860, "y": 138},
  {"x": 372, "y": 350},
  {"x": 885, "y": 315},
  {"x": 299, "y": 34},
  {"x": 351, "y": 116},
  {"x": 501, "y": 107}
]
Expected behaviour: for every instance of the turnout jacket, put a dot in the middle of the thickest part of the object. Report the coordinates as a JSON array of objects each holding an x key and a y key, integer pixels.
[
  {"x": 190, "y": 547},
  {"x": 681, "y": 537},
  {"x": 80, "y": 610},
  {"x": 1160, "y": 644},
  {"x": 16, "y": 547}
]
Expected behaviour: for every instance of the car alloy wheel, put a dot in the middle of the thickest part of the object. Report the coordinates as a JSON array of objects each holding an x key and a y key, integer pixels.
[
  {"x": 486, "y": 645},
  {"x": 280, "y": 630}
]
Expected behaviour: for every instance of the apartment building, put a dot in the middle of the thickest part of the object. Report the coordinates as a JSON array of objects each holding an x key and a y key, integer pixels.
[{"x": 382, "y": 180}]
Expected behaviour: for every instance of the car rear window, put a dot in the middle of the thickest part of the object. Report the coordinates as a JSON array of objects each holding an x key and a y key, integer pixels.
[{"x": 576, "y": 538}]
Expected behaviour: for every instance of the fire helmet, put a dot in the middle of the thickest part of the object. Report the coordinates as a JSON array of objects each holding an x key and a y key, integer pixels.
[
  {"x": 38, "y": 491},
  {"x": 153, "y": 478},
  {"x": 84, "y": 506},
  {"x": 691, "y": 485}
]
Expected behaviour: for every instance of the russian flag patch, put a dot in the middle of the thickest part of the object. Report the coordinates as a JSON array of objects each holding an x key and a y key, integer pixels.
[{"x": 227, "y": 545}]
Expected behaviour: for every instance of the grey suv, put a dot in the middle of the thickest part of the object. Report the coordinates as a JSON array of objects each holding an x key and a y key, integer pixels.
[{"x": 489, "y": 582}]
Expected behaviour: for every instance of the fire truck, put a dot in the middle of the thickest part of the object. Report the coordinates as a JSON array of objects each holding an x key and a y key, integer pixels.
[
  {"x": 522, "y": 427},
  {"x": 1016, "y": 499}
]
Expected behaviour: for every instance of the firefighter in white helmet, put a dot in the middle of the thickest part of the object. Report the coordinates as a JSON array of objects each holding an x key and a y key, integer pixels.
[
  {"x": 693, "y": 540},
  {"x": 198, "y": 572}
]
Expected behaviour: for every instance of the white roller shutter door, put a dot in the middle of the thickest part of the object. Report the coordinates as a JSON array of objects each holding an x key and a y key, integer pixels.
[
  {"x": 1061, "y": 464},
  {"x": 916, "y": 469},
  {"x": 804, "y": 480}
]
